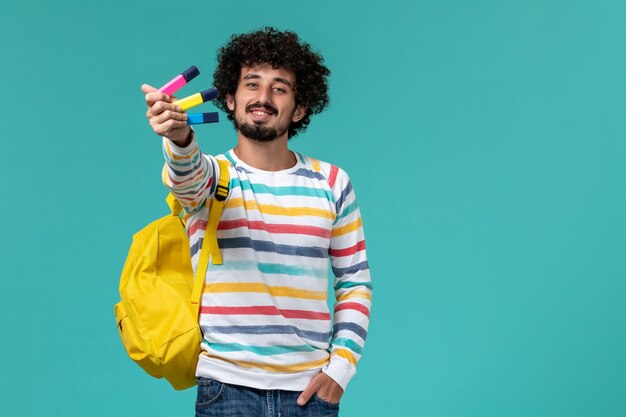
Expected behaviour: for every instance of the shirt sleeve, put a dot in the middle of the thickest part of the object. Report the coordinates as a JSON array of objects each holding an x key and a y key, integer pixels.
[
  {"x": 188, "y": 174},
  {"x": 353, "y": 286}
]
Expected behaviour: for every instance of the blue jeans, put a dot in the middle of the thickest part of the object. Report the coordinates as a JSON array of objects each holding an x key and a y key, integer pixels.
[{"x": 216, "y": 399}]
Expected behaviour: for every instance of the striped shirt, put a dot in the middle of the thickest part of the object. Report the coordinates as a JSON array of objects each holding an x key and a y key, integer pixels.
[{"x": 264, "y": 314}]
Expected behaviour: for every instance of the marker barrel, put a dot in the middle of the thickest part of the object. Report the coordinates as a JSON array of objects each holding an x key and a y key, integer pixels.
[
  {"x": 189, "y": 102},
  {"x": 173, "y": 86},
  {"x": 180, "y": 80},
  {"x": 197, "y": 99}
]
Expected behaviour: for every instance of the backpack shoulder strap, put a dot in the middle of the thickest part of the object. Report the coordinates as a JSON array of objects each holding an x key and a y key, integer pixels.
[
  {"x": 210, "y": 249},
  {"x": 174, "y": 205}
]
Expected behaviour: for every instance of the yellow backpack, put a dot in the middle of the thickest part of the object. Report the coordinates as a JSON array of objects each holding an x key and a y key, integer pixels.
[{"x": 157, "y": 316}]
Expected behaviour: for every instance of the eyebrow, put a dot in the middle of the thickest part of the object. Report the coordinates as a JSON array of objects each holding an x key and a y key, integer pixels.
[{"x": 256, "y": 76}]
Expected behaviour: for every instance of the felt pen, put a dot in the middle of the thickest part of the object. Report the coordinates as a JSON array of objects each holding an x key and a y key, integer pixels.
[
  {"x": 180, "y": 80},
  {"x": 200, "y": 118},
  {"x": 196, "y": 99}
]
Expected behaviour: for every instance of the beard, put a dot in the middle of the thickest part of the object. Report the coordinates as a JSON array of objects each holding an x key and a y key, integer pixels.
[{"x": 256, "y": 131}]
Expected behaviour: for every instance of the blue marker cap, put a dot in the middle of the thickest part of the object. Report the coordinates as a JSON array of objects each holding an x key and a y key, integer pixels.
[
  {"x": 212, "y": 117},
  {"x": 208, "y": 95},
  {"x": 191, "y": 73},
  {"x": 201, "y": 118}
]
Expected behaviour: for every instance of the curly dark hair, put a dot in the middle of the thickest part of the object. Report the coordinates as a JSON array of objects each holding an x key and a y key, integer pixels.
[{"x": 279, "y": 49}]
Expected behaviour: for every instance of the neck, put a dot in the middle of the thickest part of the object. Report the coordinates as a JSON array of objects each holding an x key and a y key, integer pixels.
[{"x": 267, "y": 156}]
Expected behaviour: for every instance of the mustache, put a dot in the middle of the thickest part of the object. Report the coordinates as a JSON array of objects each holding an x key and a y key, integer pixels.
[{"x": 262, "y": 106}]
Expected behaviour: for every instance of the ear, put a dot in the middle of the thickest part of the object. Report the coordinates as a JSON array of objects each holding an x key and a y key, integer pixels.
[
  {"x": 230, "y": 102},
  {"x": 299, "y": 114}
]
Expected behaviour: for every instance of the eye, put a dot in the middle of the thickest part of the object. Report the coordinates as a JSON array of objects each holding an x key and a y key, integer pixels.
[
  {"x": 251, "y": 85},
  {"x": 280, "y": 90}
]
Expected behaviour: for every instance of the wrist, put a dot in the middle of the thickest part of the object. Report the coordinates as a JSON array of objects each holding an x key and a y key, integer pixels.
[
  {"x": 172, "y": 147},
  {"x": 340, "y": 371},
  {"x": 184, "y": 139}
]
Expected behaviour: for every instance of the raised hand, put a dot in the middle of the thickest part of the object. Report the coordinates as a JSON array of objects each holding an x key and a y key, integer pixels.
[{"x": 166, "y": 118}]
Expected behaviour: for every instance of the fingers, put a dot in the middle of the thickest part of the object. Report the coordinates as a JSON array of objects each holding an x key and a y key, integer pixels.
[
  {"x": 156, "y": 97},
  {"x": 330, "y": 392},
  {"x": 166, "y": 118},
  {"x": 325, "y": 388},
  {"x": 308, "y": 392},
  {"x": 306, "y": 395},
  {"x": 160, "y": 107},
  {"x": 170, "y": 114},
  {"x": 165, "y": 127},
  {"x": 152, "y": 95}
]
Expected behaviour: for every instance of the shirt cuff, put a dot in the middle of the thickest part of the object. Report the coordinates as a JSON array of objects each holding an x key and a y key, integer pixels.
[
  {"x": 178, "y": 150},
  {"x": 340, "y": 371}
]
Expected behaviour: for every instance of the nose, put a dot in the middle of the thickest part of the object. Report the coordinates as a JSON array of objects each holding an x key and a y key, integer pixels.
[{"x": 265, "y": 95}]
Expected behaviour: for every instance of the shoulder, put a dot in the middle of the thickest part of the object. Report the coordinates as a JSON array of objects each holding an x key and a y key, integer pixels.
[
  {"x": 224, "y": 158},
  {"x": 214, "y": 158},
  {"x": 336, "y": 177}
]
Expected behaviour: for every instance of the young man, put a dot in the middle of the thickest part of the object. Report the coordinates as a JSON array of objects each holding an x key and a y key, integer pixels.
[{"x": 270, "y": 346}]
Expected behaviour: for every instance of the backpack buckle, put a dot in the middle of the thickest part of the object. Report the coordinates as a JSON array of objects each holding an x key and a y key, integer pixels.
[{"x": 221, "y": 193}]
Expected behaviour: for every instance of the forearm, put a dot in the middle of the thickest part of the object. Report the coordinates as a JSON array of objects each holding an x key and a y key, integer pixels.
[
  {"x": 187, "y": 173},
  {"x": 353, "y": 295},
  {"x": 353, "y": 287},
  {"x": 350, "y": 323}
]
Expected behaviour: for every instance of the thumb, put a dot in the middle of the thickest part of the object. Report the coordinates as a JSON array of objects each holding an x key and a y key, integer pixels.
[
  {"x": 147, "y": 88},
  {"x": 308, "y": 392}
]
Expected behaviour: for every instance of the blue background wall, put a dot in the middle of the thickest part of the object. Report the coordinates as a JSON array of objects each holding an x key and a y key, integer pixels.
[{"x": 487, "y": 144}]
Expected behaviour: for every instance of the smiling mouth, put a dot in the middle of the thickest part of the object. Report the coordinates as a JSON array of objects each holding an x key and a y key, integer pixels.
[
  {"x": 261, "y": 110},
  {"x": 261, "y": 113}
]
